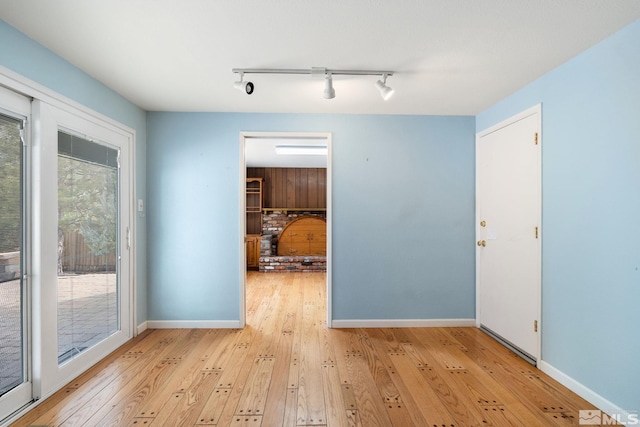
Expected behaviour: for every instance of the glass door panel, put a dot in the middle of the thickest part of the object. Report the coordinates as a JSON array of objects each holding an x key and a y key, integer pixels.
[
  {"x": 88, "y": 245},
  {"x": 13, "y": 300}
]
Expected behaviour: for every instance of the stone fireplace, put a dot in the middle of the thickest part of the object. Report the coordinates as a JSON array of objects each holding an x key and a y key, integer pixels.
[{"x": 273, "y": 224}]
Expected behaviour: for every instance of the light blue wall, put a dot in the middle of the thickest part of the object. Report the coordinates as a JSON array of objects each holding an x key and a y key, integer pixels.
[
  {"x": 33, "y": 61},
  {"x": 403, "y": 213},
  {"x": 591, "y": 214}
]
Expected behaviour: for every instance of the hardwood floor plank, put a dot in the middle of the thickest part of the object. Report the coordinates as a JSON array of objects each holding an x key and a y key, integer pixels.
[
  {"x": 190, "y": 405},
  {"x": 291, "y": 408},
  {"x": 212, "y": 410},
  {"x": 427, "y": 399},
  {"x": 336, "y": 408},
  {"x": 344, "y": 341},
  {"x": 274, "y": 409},
  {"x": 348, "y": 397},
  {"x": 254, "y": 396},
  {"x": 378, "y": 370},
  {"x": 311, "y": 409},
  {"x": 406, "y": 403},
  {"x": 371, "y": 409},
  {"x": 241, "y": 372},
  {"x": 220, "y": 350}
]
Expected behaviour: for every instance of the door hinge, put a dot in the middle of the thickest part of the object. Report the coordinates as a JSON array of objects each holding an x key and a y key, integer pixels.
[
  {"x": 535, "y": 138},
  {"x": 536, "y": 232},
  {"x": 535, "y": 326}
]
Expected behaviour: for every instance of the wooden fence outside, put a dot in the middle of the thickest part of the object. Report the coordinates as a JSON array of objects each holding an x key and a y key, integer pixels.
[{"x": 77, "y": 257}]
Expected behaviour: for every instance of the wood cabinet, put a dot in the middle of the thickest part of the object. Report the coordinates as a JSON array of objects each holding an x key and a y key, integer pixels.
[
  {"x": 304, "y": 236},
  {"x": 252, "y": 245}
]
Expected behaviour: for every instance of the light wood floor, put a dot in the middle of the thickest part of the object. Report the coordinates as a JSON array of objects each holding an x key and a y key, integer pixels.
[{"x": 287, "y": 369}]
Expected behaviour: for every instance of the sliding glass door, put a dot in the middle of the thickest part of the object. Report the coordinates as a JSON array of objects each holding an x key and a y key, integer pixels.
[{"x": 15, "y": 382}]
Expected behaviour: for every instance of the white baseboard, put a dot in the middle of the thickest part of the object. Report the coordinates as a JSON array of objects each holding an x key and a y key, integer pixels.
[
  {"x": 193, "y": 324},
  {"x": 142, "y": 327},
  {"x": 583, "y": 391},
  {"x": 402, "y": 323}
]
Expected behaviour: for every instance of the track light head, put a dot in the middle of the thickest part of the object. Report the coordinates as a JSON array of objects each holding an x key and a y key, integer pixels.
[
  {"x": 329, "y": 91},
  {"x": 385, "y": 91},
  {"x": 246, "y": 87}
]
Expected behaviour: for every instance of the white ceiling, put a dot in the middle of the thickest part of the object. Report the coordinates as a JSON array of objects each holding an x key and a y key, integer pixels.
[{"x": 451, "y": 57}]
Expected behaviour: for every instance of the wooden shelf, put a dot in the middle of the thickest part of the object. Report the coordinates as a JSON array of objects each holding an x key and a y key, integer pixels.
[{"x": 253, "y": 206}]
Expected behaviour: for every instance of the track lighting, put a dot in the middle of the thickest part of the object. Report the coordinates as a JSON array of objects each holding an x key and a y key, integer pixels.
[
  {"x": 329, "y": 92},
  {"x": 244, "y": 86},
  {"x": 385, "y": 91}
]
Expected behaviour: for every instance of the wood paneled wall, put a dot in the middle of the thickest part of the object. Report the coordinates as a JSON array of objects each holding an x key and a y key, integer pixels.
[{"x": 292, "y": 187}]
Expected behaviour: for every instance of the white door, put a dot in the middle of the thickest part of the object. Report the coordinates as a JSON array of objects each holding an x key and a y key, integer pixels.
[
  {"x": 83, "y": 211},
  {"x": 508, "y": 201}
]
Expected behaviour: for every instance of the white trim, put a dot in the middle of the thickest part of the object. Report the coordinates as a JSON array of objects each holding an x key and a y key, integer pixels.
[
  {"x": 582, "y": 390},
  {"x": 242, "y": 228},
  {"x": 329, "y": 218},
  {"x": 142, "y": 327},
  {"x": 242, "y": 231},
  {"x": 403, "y": 323},
  {"x": 193, "y": 324}
]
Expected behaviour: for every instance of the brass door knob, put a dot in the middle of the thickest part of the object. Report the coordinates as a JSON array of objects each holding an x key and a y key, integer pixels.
[
  {"x": 483, "y": 223},
  {"x": 482, "y": 243}
]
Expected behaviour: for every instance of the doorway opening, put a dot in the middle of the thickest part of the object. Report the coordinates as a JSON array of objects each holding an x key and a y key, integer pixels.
[{"x": 289, "y": 161}]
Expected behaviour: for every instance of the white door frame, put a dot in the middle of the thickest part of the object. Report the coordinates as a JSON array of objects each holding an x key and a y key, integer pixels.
[
  {"x": 537, "y": 109},
  {"x": 242, "y": 265},
  {"x": 49, "y": 120}
]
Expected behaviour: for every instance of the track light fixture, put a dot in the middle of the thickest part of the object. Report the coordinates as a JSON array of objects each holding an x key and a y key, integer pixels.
[
  {"x": 244, "y": 86},
  {"x": 329, "y": 91},
  {"x": 385, "y": 91}
]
